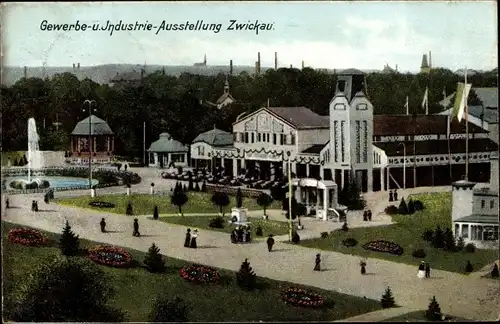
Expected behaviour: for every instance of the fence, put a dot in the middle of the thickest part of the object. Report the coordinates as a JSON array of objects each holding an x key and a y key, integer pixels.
[{"x": 246, "y": 192}]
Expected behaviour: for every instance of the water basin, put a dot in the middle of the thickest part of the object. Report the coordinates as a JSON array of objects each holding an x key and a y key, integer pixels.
[{"x": 54, "y": 182}]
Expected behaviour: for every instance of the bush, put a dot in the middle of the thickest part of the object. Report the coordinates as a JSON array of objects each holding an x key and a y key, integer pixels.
[
  {"x": 69, "y": 243},
  {"x": 258, "y": 231},
  {"x": 345, "y": 228},
  {"x": 324, "y": 234},
  {"x": 433, "y": 312},
  {"x": 428, "y": 235},
  {"x": 129, "y": 210},
  {"x": 460, "y": 244},
  {"x": 155, "y": 213},
  {"x": 295, "y": 237},
  {"x": 449, "y": 241},
  {"x": 411, "y": 207},
  {"x": 350, "y": 242},
  {"x": 468, "y": 267},
  {"x": 391, "y": 210},
  {"x": 470, "y": 248},
  {"x": 217, "y": 222},
  {"x": 387, "y": 300},
  {"x": 494, "y": 271},
  {"x": 403, "y": 208},
  {"x": 418, "y": 205},
  {"x": 179, "y": 198},
  {"x": 419, "y": 254},
  {"x": 221, "y": 199},
  {"x": 245, "y": 277},
  {"x": 168, "y": 310},
  {"x": 438, "y": 238},
  {"x": 49, "y": 294},
  {"x": 154, "y": 261}
]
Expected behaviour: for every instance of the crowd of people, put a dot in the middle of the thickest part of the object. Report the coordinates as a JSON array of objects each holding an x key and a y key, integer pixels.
[{"x": 241, "y": 234}]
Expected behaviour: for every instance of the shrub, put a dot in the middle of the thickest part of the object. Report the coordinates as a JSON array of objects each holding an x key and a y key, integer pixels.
[
  {"x": 460, "y": 244},
  {"x": 295, "y": 237},
  {"x": 324, "y": 234},
  {"x": 419, "y": 254},
  {"x": 387, "y": 300},
  {"x": 403, "y": 208},
  {"x": 217, "y": 222},
  {"x": 155, "y": 213},
  {"x": 197, "y": 187},
  {"x": 345, "y": 228},
  {"x": 258, "y": 231},
  {"x": 438, "y": 238},
  {"x": 449, "y": 240},
  {"x": 468, "y": 267},
  {"x": 470, "y": 248},
  {"x": 350, "y": 242},
  {"x": 494, "y": 271},
  {"x": 245, "y": 277},
  {"x": 411, "y": 207},
  {"x": 221, "y": 199},
  {"x": 69, "y": 243},
  {"x": 49, "y": 294},
  {"x": 391, "y": 210},
  {"x": 154, "y": 261},
  {"x": 428, "y": 235},
  {"x": 179, "y": 198},
  {"x": 418, "y": 205},
  {"x": 433, "y": 312},
  {"x": 129, "y": 210},
  {"x": 168, "y": 310},
  {"x": 264, "y": 200}
]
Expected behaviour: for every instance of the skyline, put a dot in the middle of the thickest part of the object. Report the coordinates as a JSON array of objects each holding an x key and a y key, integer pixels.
[{"x": 348, "y": 34}]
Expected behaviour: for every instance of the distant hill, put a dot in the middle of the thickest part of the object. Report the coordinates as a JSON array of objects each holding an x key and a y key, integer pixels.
[{"x": 104, "y": 73}]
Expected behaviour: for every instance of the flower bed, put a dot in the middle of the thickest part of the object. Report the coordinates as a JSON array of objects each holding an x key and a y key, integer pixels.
[
  {"x": 101, "y": 204},
  {"x": 26, "y": 236},
  {"x": 384, "y": 246},
  {"x": 301, "y": 297},
  {"x": 200, "y": 274},
  {"x": 110, "y": 255}
]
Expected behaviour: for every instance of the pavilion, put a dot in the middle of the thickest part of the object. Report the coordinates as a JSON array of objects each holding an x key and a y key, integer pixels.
[{"x": 101, "y": 137}]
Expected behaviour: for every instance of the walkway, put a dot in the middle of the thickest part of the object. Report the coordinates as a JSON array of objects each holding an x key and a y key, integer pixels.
[{"x": 457, "y": 294}]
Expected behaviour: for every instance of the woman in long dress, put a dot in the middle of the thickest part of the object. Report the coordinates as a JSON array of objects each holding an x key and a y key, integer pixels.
[
  {"x": 193, "y": 239},
  {"x": 421, "y": 270},
  {"x": 187, "y": 240}
]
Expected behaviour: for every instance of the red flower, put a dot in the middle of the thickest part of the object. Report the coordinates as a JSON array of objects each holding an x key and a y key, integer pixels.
[
  {"x": 110, "y": 255},
  {"x": 301, "y": 297},
  {"x": 27, "y": 236},
  {"x": 199, "y": 274}
]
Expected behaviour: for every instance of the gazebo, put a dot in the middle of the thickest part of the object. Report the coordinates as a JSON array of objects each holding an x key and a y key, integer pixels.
[
  {"x": 167, "y": 152},
  {"x": 92, "y": 136}
]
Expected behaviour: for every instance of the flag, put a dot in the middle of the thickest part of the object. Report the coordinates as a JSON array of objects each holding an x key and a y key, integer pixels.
[
  {"x": 407, "y": 106},
  {"x": 461, "y": 97},
  {"x": 425, "y": 101}
]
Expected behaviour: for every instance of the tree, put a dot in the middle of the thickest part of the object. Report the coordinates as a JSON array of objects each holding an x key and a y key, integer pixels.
[
  {"x": 468, "y": 267},
  {"x": 448, "y": 241},
  {"x": 179, "y": 199},
  {"x": 287, "y": 209},
  {"x": 438, "y": 238},
  {"x": 403, "y": 208},
  {"x": 221, "y": 199},
  {"x": 433, "y": 312},
  {"x": 264, "y": 200},
  {"x": 245, "y": 277},
  {"x": 239, "y": 198},
  {"x": 169, "y": 310},
  {"x": 69, "y": 243},
  {"x": 197, "y": 187},
  {"x": 66, "y": 290},
  {"x": 411, "y": 207},
  {"x": 154, "y": 260},
  {"x": 387, "y": 300},
  {"x": 155, "y": 213}
]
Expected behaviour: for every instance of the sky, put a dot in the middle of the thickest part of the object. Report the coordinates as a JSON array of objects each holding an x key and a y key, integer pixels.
[{"x": 363, "y": 35}]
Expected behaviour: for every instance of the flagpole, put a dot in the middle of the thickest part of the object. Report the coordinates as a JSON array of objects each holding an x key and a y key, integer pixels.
[
  {"x": 449, "y": 134},
  {"x": 427, "y": 102},
  {"x": 407, "y": 106},
  {"x": 466, "y": 111}
]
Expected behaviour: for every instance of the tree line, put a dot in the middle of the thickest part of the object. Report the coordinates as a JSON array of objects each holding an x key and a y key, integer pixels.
[{"x": 176, "y": 104}]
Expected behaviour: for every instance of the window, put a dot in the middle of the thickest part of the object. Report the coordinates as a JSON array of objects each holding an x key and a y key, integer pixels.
[
  {"x": 483, "y": 203},
  {"x": 246, "y": 137},
  {"x": 282, "y": 139},
  {"x": 235, "y": 137},
  {"x": 253, "y": 138},
  {"x": 492, "y": 204},
  {"x": 336, "y": 140},
  {"x": 151, "y": 158},
  {"x": 259, "y": 137},
  {"x": 490, "y": 233},
  {"x": 358, "y": 142},
  {"x": 292, "y": 138},
  {"x": 465, "y": 231},
  {"x": 342, "y": 144},
  {"x": 274, "y": 139},
  {"x": 365, "y": 141}
]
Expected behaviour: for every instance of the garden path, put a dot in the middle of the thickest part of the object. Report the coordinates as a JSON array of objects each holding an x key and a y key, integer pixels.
[{"x": 458, "y": 295}]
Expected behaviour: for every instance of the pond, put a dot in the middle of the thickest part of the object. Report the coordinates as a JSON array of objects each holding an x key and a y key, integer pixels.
[{"x": 54, "y": 182}]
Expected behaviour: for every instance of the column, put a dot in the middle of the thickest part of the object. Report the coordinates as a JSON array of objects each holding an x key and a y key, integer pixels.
[
  {"x": 307, "y": 170},
  {"x": 469, "y": 231},
  {"x": 235, "y": 167},
  {"x": 285, "y": 168},
  {"x": 388, "y": 179},
  {"x": 318, "y": 191},
  {"x": 243, "y": 164},
  {"x": 78, "y": 144},
  {"x": 382, "y": 184},
  {"x": 107, "y": 143},
  {"x": 307, "y": 197},
  {"x": 95, "y": 144},
  {"x": 460, "y": 229},
  {"x": 370, "y": 180},
  {"x": 342, "y": 179},
  {"x": 326, "y": 204},
  {"x": 169, "y": 158}
]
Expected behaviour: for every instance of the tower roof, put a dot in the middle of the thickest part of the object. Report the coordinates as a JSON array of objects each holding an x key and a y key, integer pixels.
[
  {"x": 215, "y": 137},
  {"x": 97, "y": 127},
  {"x": 425, "y": 64}
]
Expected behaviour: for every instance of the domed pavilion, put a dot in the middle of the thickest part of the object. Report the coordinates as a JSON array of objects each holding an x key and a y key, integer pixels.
[{"x": 92, "y": 135}]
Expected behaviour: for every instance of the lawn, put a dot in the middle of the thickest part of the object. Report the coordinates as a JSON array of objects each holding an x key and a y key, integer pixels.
[
  {"x": 143, "y": 204},
  {"x": 201, "y": 222},
  {"x": 136, "y": 290},
  {"x": 408, "y": 234},
  {"x": 418, "y": 316}
]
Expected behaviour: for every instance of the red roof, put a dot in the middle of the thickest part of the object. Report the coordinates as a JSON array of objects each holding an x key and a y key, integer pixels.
[{"x": 394, "y": 125}]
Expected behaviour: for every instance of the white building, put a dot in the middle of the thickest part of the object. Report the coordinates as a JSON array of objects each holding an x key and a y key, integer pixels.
[{"x": 167, "y": 152}]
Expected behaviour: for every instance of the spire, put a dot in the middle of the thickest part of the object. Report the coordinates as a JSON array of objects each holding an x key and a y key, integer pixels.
[
  {"x": 424, "y": 62},
  {"x": 205, "y": 59}
]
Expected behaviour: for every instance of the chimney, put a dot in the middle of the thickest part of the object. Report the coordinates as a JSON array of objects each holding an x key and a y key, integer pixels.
[
  {"x": 302, "y": 65},
  {"x": 25, "y": 72},
  {"x": 396, "y": 67},
  {"x": 291, "y": 66},
  {"x": 230, "y": 67},
  {"x": 275, "y": 60},
  {"x": 256, "y": 68},
  {"x": 258, "y": 62},
  {"x": 430, "y": 59},
  {"x": 73, "y": 66},
  {"x": 78, "y": 66}
]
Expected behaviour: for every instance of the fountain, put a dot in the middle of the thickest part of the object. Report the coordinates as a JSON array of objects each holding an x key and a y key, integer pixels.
[{"x": 35, "y": 158}]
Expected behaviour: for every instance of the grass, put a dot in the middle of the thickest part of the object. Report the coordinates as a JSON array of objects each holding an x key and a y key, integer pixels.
[
  {"x": 408, "y": 234},
  {"x": 143, "y": 204},
  {"x": 201, "y": 222},
  {"x": 136, "y": 290},
  {"x": 418, "y": 316},
  {"x": 14, "y": 156}
]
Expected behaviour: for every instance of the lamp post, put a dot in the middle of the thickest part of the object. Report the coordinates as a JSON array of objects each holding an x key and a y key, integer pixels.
[
  {"x": 404, "y": 164},
  {"x": 289, "y": 171},
  {"x": 89, "y": 102}
]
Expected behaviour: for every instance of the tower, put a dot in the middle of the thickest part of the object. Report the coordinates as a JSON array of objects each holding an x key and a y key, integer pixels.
[
  {"x": 226, "y": 85},
  {"x": 424, "y": 67},
  {"x": 462, "y": 198},
  {"x": 205, "y": 59},
  {"x": 351, "y": 130},
  {"x": 230, "y": 67},
  {"x": 275, "y": 60}
]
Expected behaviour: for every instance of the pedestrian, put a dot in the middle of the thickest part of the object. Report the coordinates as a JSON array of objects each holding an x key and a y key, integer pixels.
[
  {"x": 391, "y": 196},
  {"x": 244, "y": 234},
  {"x": 270, "y": 242},
  {"x": 193, "y": 244},
  {"x": 317, "y": 263},
  {"x": 187, "y": 241},
  {"x": 103, "y": 226},
  {"x": 369, "y": 214},
  {"x": 46, "y": 198},
  {"x": 427, "y": 270},
  {"x": 421, "y": 270},
  {"x": 365, "y": 216},
  {"x": 363, "y": 267},
  {"x": 7, "y": 203},
  {"x": 239, "y": 230},
  {"x": 126, "y": 167},
  {"x": 136, "y": 228},
  {"x": 395, "y": 195},
  {"x": 247, "y": 234}
]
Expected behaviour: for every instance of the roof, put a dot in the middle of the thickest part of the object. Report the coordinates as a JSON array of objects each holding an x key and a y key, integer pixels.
[
  {"x": 487, "y": 114},
  {"x": 478, "y": 218},
  {"x": 351, "y": 72},
  {"x": 393, "y": 125},
  {"x": 463, "y": 184},
  {"x": 97, "y": 127},
  {"x": 224, "y": 97},
  {"x": 215, "y": 137},
  {"x": 437, "y": 147},
  {"x": 489, "y": 96},
  {"x": 315, "y": 149},
  {"x": 486, "y": 191},
  {"x": 301, "y": 117},
  {"x": 167, "y": 144}
]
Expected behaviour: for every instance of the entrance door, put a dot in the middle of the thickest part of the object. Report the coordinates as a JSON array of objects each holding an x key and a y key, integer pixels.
[{"x": 160, "y": 159}]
